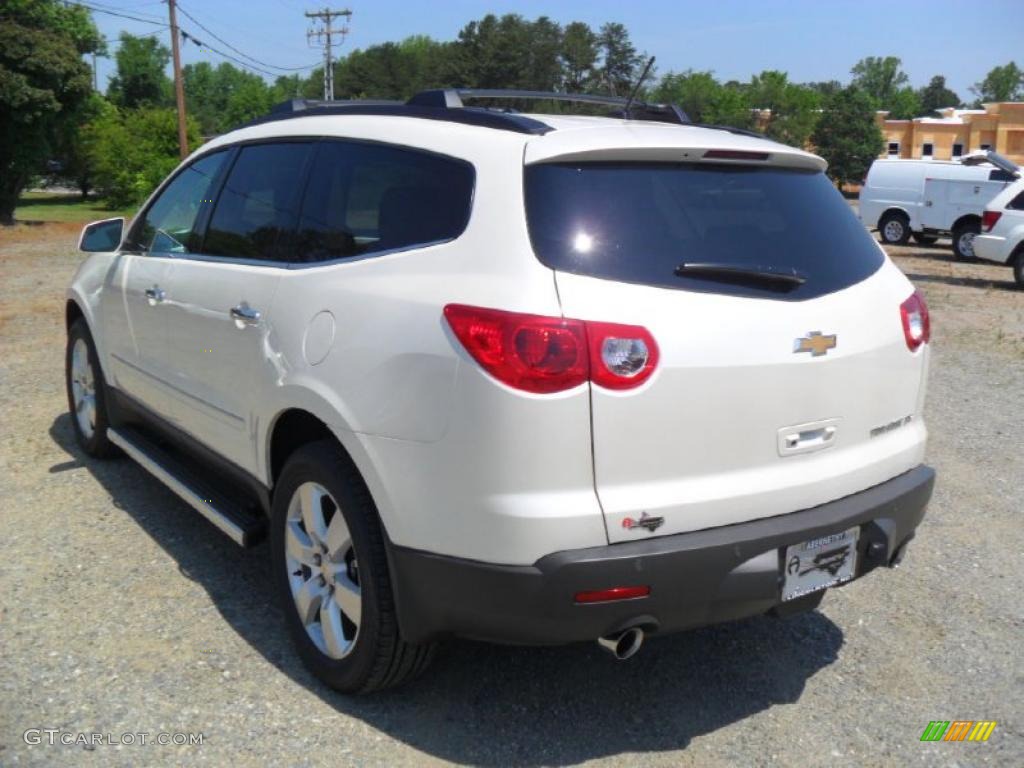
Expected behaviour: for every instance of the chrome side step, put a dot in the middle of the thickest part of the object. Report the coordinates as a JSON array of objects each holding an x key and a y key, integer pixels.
[{"x": 229, "y": 516}]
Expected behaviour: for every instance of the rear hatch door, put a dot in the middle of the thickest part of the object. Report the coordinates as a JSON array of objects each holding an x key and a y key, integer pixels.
[{"x": 784, "y": 377}]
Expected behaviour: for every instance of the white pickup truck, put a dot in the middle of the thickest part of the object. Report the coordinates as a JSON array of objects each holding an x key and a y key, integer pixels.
[{"x": 928, "y": 198}]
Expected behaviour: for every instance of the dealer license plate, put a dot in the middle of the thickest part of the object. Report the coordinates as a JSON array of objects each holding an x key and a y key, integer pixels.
[{"x": 819, "y": 563}]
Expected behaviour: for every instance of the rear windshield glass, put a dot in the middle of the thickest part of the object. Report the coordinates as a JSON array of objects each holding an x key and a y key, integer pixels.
[{"x": 641, "y": 222}]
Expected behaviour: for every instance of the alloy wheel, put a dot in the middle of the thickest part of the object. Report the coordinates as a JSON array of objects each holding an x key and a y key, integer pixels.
[
  {"x": 83, "y": 388},
  {"x": 323, "y": 572}
]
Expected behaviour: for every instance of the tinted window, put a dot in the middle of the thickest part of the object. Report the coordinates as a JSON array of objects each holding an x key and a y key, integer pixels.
[
  {"x": 259, "y": 202},
  {"x": 1000, "y": 175},
  {"x": 638, "y": 222},
  {"x": 363, "y": 198},
  {"x": 1017, "y": 204},
  {"x": 170, "y": 223}
]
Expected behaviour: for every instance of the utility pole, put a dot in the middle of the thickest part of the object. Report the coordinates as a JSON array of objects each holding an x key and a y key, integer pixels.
[
  {"x": 179, "y": 87},
  {"x": 324, "y": 34}
]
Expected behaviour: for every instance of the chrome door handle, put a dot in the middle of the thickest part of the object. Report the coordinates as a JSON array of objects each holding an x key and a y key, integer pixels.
[
  {"x": 155, "y": 295},
  {"x": 244, "y": 315}
]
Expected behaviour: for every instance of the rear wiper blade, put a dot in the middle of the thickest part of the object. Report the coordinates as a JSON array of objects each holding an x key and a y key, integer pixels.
[{"x": 741, "y": 273}]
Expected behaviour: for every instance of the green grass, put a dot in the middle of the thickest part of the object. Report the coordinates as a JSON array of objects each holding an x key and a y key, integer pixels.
[{"x": 52, "y": 206}]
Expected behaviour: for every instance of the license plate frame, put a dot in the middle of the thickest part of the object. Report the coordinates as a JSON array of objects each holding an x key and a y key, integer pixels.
[{"x": 819, "y": 563}]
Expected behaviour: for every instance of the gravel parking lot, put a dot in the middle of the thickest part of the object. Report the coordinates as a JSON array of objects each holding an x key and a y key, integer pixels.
[{"x": 124, "y": 612}]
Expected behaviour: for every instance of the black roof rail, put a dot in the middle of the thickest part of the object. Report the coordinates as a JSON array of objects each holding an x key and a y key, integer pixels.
[
  {"x": 453, "y": 98},
  {"x": 485, "y": 118}
]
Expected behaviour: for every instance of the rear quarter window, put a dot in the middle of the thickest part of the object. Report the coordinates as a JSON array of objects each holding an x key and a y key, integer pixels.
[{"x": 638, "y": 222}]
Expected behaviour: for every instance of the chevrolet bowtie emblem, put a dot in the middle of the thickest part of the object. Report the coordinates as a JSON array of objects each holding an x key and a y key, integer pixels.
[{"x": 815, "y": 343}]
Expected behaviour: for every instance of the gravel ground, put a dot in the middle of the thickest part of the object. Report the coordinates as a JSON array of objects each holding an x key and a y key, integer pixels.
[{"x": 122, "y": 611}]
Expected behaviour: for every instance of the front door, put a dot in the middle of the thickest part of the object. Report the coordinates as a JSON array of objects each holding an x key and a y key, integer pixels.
[
  {"x": 218, "y": 320},
  {"x": 136, "y": 313}
]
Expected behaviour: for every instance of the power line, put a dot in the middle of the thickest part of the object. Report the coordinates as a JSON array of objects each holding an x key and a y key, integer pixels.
[
  {"x": 233, "y": 48},
  {"x": 94, "y": 9},
  {"x": 189, "y": 37}
]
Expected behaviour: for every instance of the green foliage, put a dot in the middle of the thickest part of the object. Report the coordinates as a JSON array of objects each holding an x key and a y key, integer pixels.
[
  {"x": 392, "y": 70},
  {"x": 847, "y": 135},
  {"x": 43, "y": 81},
  {"x": 140, "y": 80},
  {"x": 74, "y": 144},
  {"x": 133, "y": 151},
  {"x": 705, "y": 100},
  {"x": 880, "y": 78},
  {"x": 904, "y": 104},
  {"x": 1005, "y": 83},
  {"x": 793, "y": 107},
  {"x": 223, "y": 97},
  {"x": 620, "y": 63},
  {"x": 936, "y": 95},
  {"x": 578, "y": 56}
]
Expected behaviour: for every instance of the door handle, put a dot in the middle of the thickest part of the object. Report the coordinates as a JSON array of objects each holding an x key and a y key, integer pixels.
[
  {"x": 244, "y": 315},
  {"x": 155, "y": 295}
]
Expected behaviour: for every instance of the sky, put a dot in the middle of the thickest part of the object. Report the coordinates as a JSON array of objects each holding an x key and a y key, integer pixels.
[{"x": 810, "y": 39}]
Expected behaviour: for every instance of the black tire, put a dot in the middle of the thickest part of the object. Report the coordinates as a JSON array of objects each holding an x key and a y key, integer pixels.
[
  {"x": 1018, "y": 268},
  {"x": 922, "y": 239},
  {"x": 894, "y": 228},
  {"x": 96, "y": 445},
  {"x": 962, "y": 249},
  {"x": 379, "y": 658}
]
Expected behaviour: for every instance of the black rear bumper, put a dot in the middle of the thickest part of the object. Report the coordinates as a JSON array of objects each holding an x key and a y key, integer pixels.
[{"x": 695, "y": 578}]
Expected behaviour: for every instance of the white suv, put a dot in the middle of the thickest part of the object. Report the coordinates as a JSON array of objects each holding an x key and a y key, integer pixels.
[
  {"x": 1002, "y": 238},
  {"x": 519, "y": 377}
]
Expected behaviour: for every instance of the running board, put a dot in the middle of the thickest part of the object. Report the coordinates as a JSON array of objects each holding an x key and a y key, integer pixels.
[{"x": 228, "y": 515}]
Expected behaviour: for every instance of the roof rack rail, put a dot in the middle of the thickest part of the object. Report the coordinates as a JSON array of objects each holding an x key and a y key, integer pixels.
[
  {"x": 453, "y": 98},
  {"x": 484, "y": 118}
]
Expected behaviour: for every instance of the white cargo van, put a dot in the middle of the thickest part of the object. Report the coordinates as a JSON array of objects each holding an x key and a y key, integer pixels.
[{"x": 929, "y": 198}]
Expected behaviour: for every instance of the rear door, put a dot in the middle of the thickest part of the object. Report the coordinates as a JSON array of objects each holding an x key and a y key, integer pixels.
[{"x": 784, "y": 378}]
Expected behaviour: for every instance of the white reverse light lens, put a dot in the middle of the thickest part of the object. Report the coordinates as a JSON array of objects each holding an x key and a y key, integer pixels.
[
  {"x": 583, "y": 243},
  {"x": 624, "y": 357},
  {"x": 916, "y": 326}
]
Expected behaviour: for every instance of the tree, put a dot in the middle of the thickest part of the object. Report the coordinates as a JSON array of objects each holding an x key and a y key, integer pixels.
[
  {"x": 578, "y": 56},
  {"x": 140, "y": 79},
  {"x": 1005, "y": 83},
  {"x": 793, "y": 107},
  {"x": 704, "y": 99},
  {"x": 904, "y": 104},
  {"x": 847, "y": 135},
  {"x": 936, "y": 96},
  {"x": 73, "y": 146},
  {"x": 880, "y": 78},
  {"x": 134, "y": 150},
  {"x": 43, "y": 81},
  {"x": 620, "y": 62}
]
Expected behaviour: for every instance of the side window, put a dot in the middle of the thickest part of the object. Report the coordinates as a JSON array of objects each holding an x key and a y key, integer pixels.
[
  {"x": 1000, "y": 175},
  {"x": 1017, "y": 204},
  {"x": 362, "y": 198},
  {"x": 170, "y": 223},
  {"x": 258, "y": 205}
]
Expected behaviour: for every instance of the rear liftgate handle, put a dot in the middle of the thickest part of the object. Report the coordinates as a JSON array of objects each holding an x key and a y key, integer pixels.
[{"x": 804, "y": 438}]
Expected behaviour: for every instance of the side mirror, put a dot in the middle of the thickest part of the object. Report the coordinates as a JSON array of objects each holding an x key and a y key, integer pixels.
[{"x": 101, "y": 235}]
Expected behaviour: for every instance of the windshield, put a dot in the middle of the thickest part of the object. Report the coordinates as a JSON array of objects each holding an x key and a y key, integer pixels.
[{"x": 641, "y": 222}]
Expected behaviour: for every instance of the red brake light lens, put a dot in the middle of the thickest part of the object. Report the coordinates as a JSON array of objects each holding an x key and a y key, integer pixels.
[
  {"x": 529, "y": 352},
  {"x": 735, "y": 154},
  {"x": 989, "y": 219},
  {"x": 917, "y": 328},
  {"x": 541, "y": 354},
  {"x": 615, "y": 593}
]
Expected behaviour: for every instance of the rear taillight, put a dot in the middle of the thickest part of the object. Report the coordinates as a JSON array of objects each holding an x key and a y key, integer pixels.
[
  {"x": 917, "y": 327},
  {"x": 989, "y": 219},
  {"x": 541, "y": 354}
]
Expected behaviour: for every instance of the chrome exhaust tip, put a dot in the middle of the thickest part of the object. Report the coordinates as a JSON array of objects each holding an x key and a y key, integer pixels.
[{"x": 623, "y": 645}]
